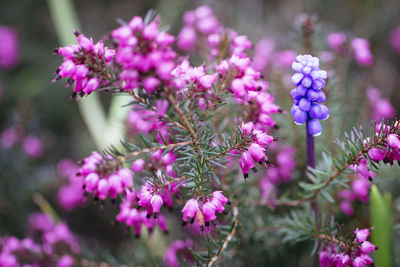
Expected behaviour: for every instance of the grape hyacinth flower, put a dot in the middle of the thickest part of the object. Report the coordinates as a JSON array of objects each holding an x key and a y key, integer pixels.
[{"x": 308, "y": 95}]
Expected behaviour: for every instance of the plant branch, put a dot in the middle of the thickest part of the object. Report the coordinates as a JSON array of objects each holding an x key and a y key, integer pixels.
[
  {"x": 176, "y": 180},
  {"x": 315, "y": 193},
  {"x": 224, "y": 152},
  {"x": 165, "y": 117},
  {"x": 182, "y": 116},
  {"x": 228, "y": 237},
  {"x": 155, "y": 148}
]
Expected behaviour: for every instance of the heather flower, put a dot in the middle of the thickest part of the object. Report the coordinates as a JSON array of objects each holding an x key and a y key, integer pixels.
[
  {"x": 66, "y": 261},
  {"x": 395, "y": 39},
  {"x": 263, "y": 53},
  {"x": 362, "y": 52},
  {"x": 70, "y": 195},
  {"x": 256, "y": 150},
  {"x": 131, "y": 214},
  {"x": 9, "y": 47},
  {"x": 336, "y": 41},
  {"x": 146, "y": 50},
  {"x": 178, "y": 246},
  {"x": 198, "y": 24},
  {"x": 10, "y": 136},
  {"x": 88, "y": 77},
  {"x": 137, "y": 165},
  {"x": 357, "y": 255},
  {"x": 33, "y": 147},
  {"x": 310, "y": 80},
  {"x": 284, "y": 58},
  {"x": 40, "y": 222},
  {"x": 381, "y": 107},
  {"x": 203, "y": 212},
  {"x": 60, "y": 234},
  {"x": 104, "y": 177}
]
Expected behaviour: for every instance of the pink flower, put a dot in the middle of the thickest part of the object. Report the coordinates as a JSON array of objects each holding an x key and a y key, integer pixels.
[
  {"x": 393, "y": 141},
  {"x": 208, "y": 209},
  {"x": 395, "y": 39},
  {"x": 336, "y": 41},
  {"x": 137, "y": 165},
  {"x": 187, "y": 39},
  {"x": 10, "y": 136},
  {"x": 156, "y": 203},
  {"x": 40, "y": 222},
  {"x": 381, "y": 107},
  {"x": 361, "y": 188},
  {"x": 190, "y": 209},
  {"x": 33, "y": 147},
  {"x": 362, "y": 52},
  {"x": 9, "y": 47},
  {"x": 361, "y": 235},
  {"x": 367, "y": 247},
  {"x": 376, "y": 154},
  {"x": 171, "y": 255},
  {"x": 66, "y": 261},
  {"x": 85, "y": 42}
]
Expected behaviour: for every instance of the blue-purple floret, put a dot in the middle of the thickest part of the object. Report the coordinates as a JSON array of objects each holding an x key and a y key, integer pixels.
[{"x": 308, "y": 94}]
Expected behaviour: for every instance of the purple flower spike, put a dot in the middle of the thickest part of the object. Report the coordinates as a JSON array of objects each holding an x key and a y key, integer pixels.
[{"x": 307, "y": 97}]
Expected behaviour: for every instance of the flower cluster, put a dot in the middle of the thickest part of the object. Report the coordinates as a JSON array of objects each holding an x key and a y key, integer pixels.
[
  {"x": 395, "y": 39},
  {"x": 235, "y": 70},
  {"x": 145, "y": 55},
  {"x": 355, "y": 253},
  {"x": 132, "y": 216},
  {"x": 256, "y": 150},
  {"x": 11, "y": 247},
  {"x": 381, "y": 107},
  {"x": 55, "y": 244},
  {"x": 308, "y": 95},
  {"x": 31, "y": 145},
  {"x": 390, "y": 150},
  {"x": 249, "y": 90},
  {"x": 204, "y": 211},
  {"x": 178, "y": 246},
  {"x": 359, "y": 190},
  {"x": 144, "y": 121},
  {"x": 70, "y": 195},
  {"x": 9, "y": 47},
  {"x": 199, "y": 23},
  {"x": 103, "y": 176},
  {"x": 360, "y": 49},
  {"x": 87, "y": 64},
  {"x": 279, "y": 172},
  {"x": 266, "y": 56},
  {"x": 362, "y": 52}
]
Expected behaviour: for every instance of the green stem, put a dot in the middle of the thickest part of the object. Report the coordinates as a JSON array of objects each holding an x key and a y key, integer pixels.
[{"x": 105, "y": 131}]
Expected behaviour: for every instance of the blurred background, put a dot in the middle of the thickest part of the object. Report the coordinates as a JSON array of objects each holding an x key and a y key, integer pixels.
[{"x": 48, "y": 127}]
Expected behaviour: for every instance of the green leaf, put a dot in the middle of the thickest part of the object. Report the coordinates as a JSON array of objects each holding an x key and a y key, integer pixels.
[{"x": 381, "y": 220}]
